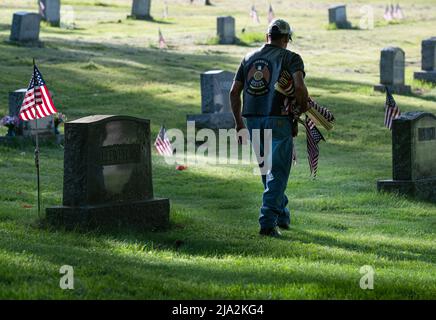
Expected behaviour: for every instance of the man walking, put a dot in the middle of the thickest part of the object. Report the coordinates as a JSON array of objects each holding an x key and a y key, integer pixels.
[{"x": 266, "y": 108}]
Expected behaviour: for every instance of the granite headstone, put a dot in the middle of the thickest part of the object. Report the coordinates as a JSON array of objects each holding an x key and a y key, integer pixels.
[
  {"x": 413, "y": 156},
  {"x": 50, "y": 11},
  {"x": 25, "y": 27},
  {"x": 392, "y": 68},
  {"x": 45, "y": 126},
  {"x": 338, "y": 16},
  {"x": 226, "y": 30},
  {"x": 141, "y": 9},
  {"x": 216, "y": 112},
  {"x": 428, "y": 61},
  {"x": 108, "y": 176}
]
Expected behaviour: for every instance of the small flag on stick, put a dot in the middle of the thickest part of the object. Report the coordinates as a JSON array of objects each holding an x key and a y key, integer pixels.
[
  {"x": 270, "y": 14},
  {"x": 37, "y": 101},
  {"x": 163, "y": 144},
  {"x": 162, "y": 42},
  {"x": 391, "y": 110},
  {"x": 387, "y": 15},
  {"x": 254, "y": 15}
]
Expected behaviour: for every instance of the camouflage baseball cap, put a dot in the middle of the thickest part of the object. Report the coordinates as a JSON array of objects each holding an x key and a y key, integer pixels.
[{"x": 280, "y": 26}]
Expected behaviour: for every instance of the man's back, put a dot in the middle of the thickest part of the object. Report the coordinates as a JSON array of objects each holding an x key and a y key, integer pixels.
[{"x": 259, "y": 72}]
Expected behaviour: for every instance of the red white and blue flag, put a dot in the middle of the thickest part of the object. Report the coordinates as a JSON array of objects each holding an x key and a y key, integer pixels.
[
  {"x": 313, "y": 137},
  {"x": 162, "y": 42},
  {"x": 163, "y": 144},
  {"x": 270, "y": 14},
  {"x": 37, "y": 102},
  {"x": 391, "y": 110},
  {"x": 254, "y": 15}
]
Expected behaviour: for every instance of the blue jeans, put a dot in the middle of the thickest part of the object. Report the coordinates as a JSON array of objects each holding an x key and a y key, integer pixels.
[{"x": 274, "y": 200}]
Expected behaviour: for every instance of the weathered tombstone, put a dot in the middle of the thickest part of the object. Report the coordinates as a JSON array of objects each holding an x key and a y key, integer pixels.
[
  {"x": 141, "y": 9},
  {"x": 226, "y": 30},
  {"x": 428, "y": 62},
  {"x": 338, "y": 16},
  {"x": 50, "y": 11},
  {"x": 413, "y": 156},
  {"x": 29, "y": 128},
  {"x": 216, "y": 112},
  {"x": 25, "y": 27},
  {"x": 108, "y": 176},
  {"x": 392, "y": 66}
]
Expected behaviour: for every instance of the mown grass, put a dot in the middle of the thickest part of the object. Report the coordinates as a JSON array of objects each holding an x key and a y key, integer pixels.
[{"x": 212, "y": 250}]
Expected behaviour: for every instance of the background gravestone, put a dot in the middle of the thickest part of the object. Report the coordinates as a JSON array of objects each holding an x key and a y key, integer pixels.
[
  {"x": 50, "y": 11},
  {"x": 28, "y": 128},
  {"x": 216, "y": 112},
  {"x": 226, "y": 30},
  {"x": 108, "y": 176},
  {"x": 141, "y": 9},
  {"x": 413, "y": 156},
  {"x": 25, "y": 27},
  {"x": 338, "y": 16},
  {"x": 392, "y": 68},
  {"x": 428, "y": 61}
]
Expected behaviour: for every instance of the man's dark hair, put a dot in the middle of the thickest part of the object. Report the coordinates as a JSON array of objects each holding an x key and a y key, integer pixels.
[{"x": 277, "y": 36}]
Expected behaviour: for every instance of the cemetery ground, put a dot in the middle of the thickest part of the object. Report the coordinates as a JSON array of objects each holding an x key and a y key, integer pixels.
[{"x": 110, "y": 65}]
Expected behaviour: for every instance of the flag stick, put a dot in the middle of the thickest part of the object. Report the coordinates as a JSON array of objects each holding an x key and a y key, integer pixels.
[{"x": 37, "y": 155}]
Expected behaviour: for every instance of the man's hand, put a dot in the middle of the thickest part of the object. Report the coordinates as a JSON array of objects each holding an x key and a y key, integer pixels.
[
  {"x": 241, "y": 133},
  {"x": 235, "y": 103}
]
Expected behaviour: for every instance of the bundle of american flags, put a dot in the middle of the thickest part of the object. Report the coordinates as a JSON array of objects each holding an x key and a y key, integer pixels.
[
  {"x": 37, "y": 101},
  {"x": 316, "y": 114},
  {"x": 163, "y": 144},
  {"x": 392, "y": 111}
]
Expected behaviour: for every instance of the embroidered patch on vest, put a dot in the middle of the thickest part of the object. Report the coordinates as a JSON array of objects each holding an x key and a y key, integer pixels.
[{"x": 259, "y": 77}]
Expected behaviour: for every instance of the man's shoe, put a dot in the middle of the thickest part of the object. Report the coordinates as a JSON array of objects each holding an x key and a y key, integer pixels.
[
  {"x": 270, "y": 232},
  {"x": 284, "y": 226}
]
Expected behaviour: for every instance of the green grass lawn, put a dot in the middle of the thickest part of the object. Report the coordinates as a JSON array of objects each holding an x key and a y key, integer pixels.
[{"x": 110, "y": 65}]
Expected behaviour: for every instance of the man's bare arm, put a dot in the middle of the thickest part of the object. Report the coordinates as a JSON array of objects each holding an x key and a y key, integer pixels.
[
  {"x": 301, "y": 93},
  {"x": 235, "y": 102}
]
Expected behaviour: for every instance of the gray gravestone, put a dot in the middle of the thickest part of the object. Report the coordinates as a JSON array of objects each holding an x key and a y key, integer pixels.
[
  {"x": 216, "y": 112},
  {"x": 50, "y": 11},
  {"x": 28, "y": 128},
  {"x": 428, "y": 62},
  {"x": 226, "y": 30},
  {"x": 25, "y": 27},
  {"x": 413, "y": 156},
  {"x": 338, "y": 16},
  {"x": 141, "y": 9},
  {"x": 107, "y": 175},
  {"x": 392, "y": 68}
]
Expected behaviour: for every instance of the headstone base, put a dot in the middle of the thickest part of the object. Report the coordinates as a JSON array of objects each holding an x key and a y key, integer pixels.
[
  {"x": 145, "y": 214},
  {"x": 43, "y": 139},
  {"x": 223, "y": 120},
  {"x": 424, "y": 189},
  {"x": 396, "y": 89},
  {"x": 429, "y": 76},
  {"x": 32, "y": 43},
  {"x": 138, "y": 17}
]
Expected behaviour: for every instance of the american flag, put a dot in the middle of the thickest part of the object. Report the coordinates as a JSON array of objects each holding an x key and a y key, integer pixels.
[
  {"x": 313, "y": 136},
  {"x": 270, "y": 14},
  {"x": 41, "y": 8},
  {"x": 254, "y": 14},
  {"x": 398, "y": 14},
  {"x": 37, "y": 101},
  {"x": 391, "y": 110},
  {"x": 162, "y": 43},
  {"x": 163, "y": 144},
  {"x": 388, "y": 14}
]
